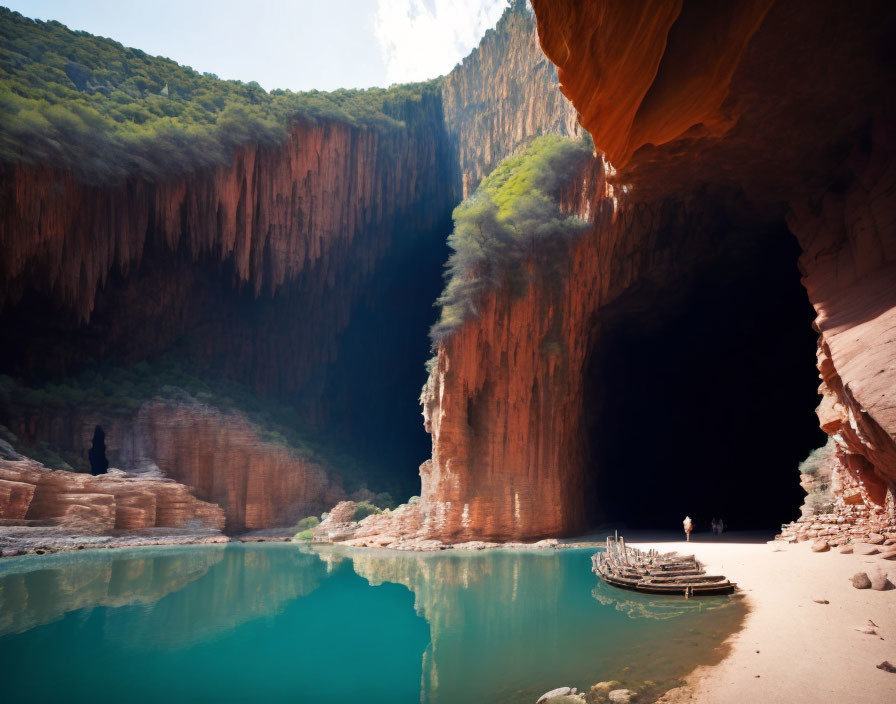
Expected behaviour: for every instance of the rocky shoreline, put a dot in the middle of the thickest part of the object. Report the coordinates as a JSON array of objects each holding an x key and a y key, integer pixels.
[
  {"x": 399, "y": 529},
  {"x": 405, "y": 528}
]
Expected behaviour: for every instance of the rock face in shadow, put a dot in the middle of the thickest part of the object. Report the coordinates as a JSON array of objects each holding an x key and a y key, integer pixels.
[
  {"x": 86, "y": 504},
  {"x": 258, "y": 484},
  {"x": 222, "y": 456},
  {"x": 704, "y": 137},
  {"x": 259, "y": 271}
]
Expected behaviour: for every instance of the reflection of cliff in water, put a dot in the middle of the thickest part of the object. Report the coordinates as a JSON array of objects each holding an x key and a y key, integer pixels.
[
  {"x": 502, "y": 611},
  {"x": 58, "y": 584},
  {"x": 655, "y": 607},
  {"x": 475, "y": 605},
  {"x": 251, "y": 581},
  {"x": 181, "y": 595}
]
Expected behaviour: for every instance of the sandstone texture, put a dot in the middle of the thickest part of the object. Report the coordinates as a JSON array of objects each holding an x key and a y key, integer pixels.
[
  {"x": 81, "y": 503},
  {"x": 257, "y": 483},
  {"x": 686, "y": 101},
  {"x": 257, "y": 267},
  {"x": 502, "y": 94},
  {"x": 226, "y": 459}
]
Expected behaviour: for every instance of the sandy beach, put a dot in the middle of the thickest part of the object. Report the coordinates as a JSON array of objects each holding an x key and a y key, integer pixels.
[{"x": 792, "y": 649}]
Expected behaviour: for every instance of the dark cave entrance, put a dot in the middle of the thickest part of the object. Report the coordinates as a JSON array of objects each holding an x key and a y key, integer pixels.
[
  {"x": 700, "y": 396},
  {"x": 99, "y": 464}
]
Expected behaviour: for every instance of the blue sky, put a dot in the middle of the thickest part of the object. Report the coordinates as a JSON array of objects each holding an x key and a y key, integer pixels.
[{"x": 295, "y": 44}]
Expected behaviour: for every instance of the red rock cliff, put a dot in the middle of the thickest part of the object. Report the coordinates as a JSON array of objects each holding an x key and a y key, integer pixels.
[
  {"x": 84, "y": 503},
  {"x": 502, "y": 94},
  {"x": 255, "y": 269},
  {"x": 709, "y": 102},
  {"x": 683, "y": 114},
  {"x": 259, "y": 484},
  {"x": 222, "y": 456}
]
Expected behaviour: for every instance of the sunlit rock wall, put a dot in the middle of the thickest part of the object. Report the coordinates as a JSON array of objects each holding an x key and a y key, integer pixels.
[
  {"x": 83, "y": 503},
  {"x": 502, "y": 94},
  {"x": 700, "y": 133}
]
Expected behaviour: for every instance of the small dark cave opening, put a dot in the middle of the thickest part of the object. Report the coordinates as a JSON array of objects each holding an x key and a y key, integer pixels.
[
  {"x": 99, "y": 464},
  {"x": 700, "y": 396}
]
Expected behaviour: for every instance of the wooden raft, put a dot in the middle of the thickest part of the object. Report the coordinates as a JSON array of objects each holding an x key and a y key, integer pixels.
[{"x": 654, "y": 573}]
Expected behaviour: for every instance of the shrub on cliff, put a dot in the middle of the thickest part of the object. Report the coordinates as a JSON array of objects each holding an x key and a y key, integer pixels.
[
  {"x": 511, "y": 227},
  {"x": 818, "y": 466},
  {"x": 307, "y": 523},
  {"x": 105, "y": 110},
  {"x": 363, "y": 509}
]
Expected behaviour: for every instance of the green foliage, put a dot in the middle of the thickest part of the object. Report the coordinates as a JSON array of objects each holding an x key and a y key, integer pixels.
[
  {"x": 511, "y": 226},
  {"x": 303, "y": 535},
  {"x": 815, "y": 464},
  {"x": 363, "y": 509},
  {"x": 384, "y": 500},
  {"x": 42, "y": 452},
  {"x": 308, "y": 523},
  {"x": 819, "y": 495},
  {"x": 105, "y": 110}
]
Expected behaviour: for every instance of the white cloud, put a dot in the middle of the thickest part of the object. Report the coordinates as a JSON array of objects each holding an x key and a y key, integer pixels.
[{"x": 422, "y": 39}]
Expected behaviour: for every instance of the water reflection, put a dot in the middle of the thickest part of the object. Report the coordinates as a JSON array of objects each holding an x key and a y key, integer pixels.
[
  {"x": 655, "y": 607},
  {"x": 237, "y": 585},
  {"x": 287, "y": 623},
  {"x": 49, "y": 587},
  {"x": 538, "y": 619}
]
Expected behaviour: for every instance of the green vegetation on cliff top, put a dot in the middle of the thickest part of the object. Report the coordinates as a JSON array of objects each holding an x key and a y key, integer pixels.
[
  {"x": 104, "y": 110},
  {"x": 511, "y": 227}
]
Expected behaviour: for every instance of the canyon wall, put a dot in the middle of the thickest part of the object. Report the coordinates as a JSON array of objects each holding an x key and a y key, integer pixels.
[
  {"x": 502, "y": 94},
  {"x": 307, "y": 220},
  {"x": 81, "y": 503},
  {"x": 294, "y": 270},
  {"x": 222, "y": 456},
  {"x": 704, "y": 138},
  {"x": 834, "y": 177},
  {"x": 257, "y": 483}
]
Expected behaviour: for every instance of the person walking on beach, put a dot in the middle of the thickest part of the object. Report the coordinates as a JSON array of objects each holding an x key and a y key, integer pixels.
[{"x": 688, "y": 527}]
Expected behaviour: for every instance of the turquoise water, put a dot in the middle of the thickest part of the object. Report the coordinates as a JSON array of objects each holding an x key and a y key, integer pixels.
[{"x": 287, "y": 623}]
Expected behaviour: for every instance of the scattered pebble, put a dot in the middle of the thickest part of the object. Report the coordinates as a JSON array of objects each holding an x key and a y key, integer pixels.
[
  {"x": 860, "y": 580},
  {"x": 846, "y": 550},
  {"x": 817, "y": 601},
  {"x": 559, "y": 692},
  {"x": 820, "y": 546},
  {"x": 886, "y": 666},
  {"x": 880, "y": 581}
]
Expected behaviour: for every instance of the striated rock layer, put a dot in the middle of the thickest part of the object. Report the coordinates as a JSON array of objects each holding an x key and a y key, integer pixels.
[
  {"x": 86, "y": 504},
  {"x": 706, "y": 137},
  {"x": 259, "y": 483},
  {"x": 280, "y": 270},
  {"x": 502, "y": 94}
]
